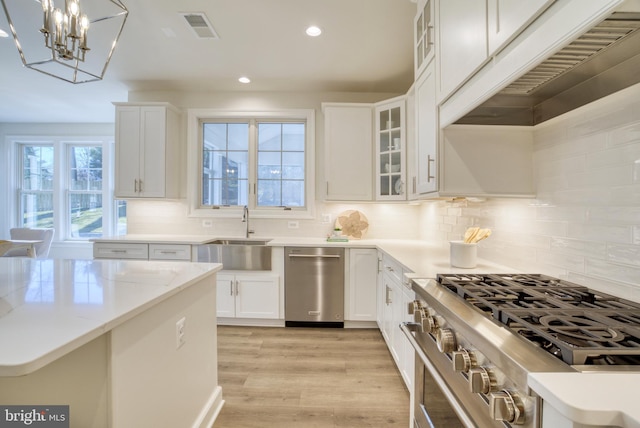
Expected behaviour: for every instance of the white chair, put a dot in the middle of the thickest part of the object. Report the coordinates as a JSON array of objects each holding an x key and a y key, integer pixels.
[
  {"x": 28, "y": 234},
  {"x": 5, "y": 247}
]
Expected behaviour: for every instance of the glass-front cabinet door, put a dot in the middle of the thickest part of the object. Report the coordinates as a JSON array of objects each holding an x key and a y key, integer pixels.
[
  {"x": 390, "y": 150},
  {"x": 423, "y": 35}
]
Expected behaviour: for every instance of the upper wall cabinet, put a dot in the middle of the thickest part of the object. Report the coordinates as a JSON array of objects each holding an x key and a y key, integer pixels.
[
  {"x": 390, "y": 150},
  {"x": 507, "y": 17},
  {"x": 423, "y": 35},
  {"x": 348, "y": 162},
  {"x": 425, "y": 163},
  {"x": 462, "y": 41},
  {"x": 147, "y": 151}
]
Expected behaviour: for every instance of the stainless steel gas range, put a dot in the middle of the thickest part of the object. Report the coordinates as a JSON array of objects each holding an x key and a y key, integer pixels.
[{"x": 478, "y": 336}]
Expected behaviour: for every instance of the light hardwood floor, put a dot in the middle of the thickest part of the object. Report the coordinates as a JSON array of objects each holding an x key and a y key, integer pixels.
[{"x": 308, "y": 378}]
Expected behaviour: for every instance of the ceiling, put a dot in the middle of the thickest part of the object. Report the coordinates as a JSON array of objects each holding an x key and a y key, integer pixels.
[{"x": 366, "y": 46}]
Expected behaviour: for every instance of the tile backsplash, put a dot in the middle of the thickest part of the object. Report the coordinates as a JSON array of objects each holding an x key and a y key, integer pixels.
[{"x": 584, "y": 224}]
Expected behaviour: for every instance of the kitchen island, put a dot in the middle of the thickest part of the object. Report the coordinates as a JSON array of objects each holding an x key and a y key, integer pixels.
[{"x": 123, "y": 343}]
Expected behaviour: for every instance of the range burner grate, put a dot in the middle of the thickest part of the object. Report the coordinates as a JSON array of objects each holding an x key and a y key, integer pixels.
[{"x": 574, "y": 323}]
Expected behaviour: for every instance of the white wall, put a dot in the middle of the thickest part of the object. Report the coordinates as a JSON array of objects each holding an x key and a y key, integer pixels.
[{"x": 585, "y": 223}]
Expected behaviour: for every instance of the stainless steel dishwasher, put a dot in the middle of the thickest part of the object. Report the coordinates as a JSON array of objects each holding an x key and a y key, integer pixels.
[{"x": 314, "y": 287}]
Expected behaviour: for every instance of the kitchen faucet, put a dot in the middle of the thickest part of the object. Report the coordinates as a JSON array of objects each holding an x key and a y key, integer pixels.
[{"x": 245, "y": 219}]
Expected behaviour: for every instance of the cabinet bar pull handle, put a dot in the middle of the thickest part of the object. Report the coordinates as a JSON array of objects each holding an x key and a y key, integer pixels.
[
  {"x": 429, "y": 160},
  {"x": 313, "y": 256},
  {"x": 231, "y": 288}
]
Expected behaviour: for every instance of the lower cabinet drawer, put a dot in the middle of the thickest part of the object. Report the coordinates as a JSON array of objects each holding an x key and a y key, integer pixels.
[
  {"x": 169, "y": 252},
  {"x": 120, "y": 251}
]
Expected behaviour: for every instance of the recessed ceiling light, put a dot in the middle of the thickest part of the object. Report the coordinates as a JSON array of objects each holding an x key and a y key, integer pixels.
[
  {"x": 313, "y": 31},
  {"x": 244, "y": 79},
  {"x": 3, "y": 33}
]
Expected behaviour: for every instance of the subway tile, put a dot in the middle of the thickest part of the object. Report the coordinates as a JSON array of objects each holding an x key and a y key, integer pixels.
[
  {"x": 625, "y": 291},
  {"x": 628, "y": 196},
  {"x": 560, "y": 166},
  {"x": 596, "y": 121},
  {"x": 629, "y": 134},
  {"x": 613, "y": 215},
  {"x": 613, "y": 271},
  {"x": 619, "y": 175},
  {"x": 566, "y": 261},
  {"x": 561, "y": 213},
  {"x": 578, "y": 247},
  {"x": 624, "y": 155},
  {"x": 621, "y": 234},
  {"x": 625, "y": 254}
]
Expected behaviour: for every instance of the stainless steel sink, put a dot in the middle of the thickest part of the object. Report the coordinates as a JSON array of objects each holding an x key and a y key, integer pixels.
[
  {"x": 237, "y": 254},
  {"x": 239, "y": 242}
]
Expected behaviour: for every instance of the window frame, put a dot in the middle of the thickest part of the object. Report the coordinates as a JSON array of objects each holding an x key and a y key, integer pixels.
[
  {"x": 61, "y": 181},
  {"x": 195, "y": 118}
]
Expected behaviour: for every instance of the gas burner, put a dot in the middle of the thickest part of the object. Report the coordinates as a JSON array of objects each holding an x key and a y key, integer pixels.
[{"x": 570, "y": 321}]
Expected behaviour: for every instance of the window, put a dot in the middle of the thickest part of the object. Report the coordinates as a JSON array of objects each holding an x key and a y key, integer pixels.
[
  {"x": 66, "y": 185},
  {"x": 36, "y": 186},
  {"x": 260, "y": 160}
]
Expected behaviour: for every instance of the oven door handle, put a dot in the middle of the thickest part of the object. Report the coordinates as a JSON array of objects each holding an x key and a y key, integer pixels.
[{"x": 407, "y": 328}]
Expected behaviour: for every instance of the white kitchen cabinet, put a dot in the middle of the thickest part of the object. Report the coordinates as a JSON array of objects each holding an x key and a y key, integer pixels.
[
  {"x": 170, "y": 252},
  {"x": 248, "y": 296},
  {"x": 390, "y": 150},
  {"x": 105, "y": 250},
  {"x": 361, "y": 282},
  {"x": 462, "y": 42},
  {"x": 487, "y": 161},
  {"x": 394, "y": 299},
  {"x": 142, "y": 251},
  {"x": 425, "y": 159},
  {"x": 423, "y": 35},
  {"x": 147, "y": 151},
  {"x": 348, "y": 160},
  {"x": 506, "y": 18}
]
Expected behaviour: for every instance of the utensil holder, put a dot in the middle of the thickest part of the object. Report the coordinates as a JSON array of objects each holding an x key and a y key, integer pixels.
[{"x": 463, "y": 255}]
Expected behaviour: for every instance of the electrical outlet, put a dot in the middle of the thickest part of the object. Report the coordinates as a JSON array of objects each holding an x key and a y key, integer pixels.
[
  {"x": 326, "y": 218},
  {"x": 207, "y": 223},
  {"x": 180, "y": 333},
  {"x": 293, "y": 224}
]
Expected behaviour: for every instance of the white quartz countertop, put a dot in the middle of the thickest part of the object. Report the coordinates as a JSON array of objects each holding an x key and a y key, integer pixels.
[
  {"x": 157, "y": 239},
  {"x": 49, "y": 307},
  {"x": 593, "y": 399},
  {"x": 422, "y": 258}
]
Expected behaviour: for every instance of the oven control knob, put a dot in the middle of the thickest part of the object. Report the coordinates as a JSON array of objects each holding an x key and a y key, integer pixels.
[
  {"x": 427, "y": 323},
  {"x": 463, "y": 360},
  {"x": 481, "y": 380},
  {"x": 414, "y": 307},
  {"x": 446, "y": 340},
  {"x": 506, "y": 406}
]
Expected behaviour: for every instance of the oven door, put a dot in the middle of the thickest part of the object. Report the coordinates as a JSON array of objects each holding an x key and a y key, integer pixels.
[
  {"x": 432, "y": 408},
  {"x": 435, "y": 405}
]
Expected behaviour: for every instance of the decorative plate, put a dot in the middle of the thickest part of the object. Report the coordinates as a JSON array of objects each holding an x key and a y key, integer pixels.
[{"x": 353, "y": 223}]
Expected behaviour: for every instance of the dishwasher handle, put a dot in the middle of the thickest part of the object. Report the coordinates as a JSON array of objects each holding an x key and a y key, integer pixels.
[{"x": 313, "y": 256}]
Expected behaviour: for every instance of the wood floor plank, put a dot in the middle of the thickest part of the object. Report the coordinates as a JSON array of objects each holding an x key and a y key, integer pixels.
[{"x": 308, "y": 378}]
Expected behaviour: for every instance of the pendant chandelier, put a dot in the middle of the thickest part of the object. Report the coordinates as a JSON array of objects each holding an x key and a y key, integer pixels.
[{"x": 72, "y": 40}]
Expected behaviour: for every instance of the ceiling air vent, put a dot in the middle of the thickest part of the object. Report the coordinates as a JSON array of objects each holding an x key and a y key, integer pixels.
[{"x": 200, "y": 25}]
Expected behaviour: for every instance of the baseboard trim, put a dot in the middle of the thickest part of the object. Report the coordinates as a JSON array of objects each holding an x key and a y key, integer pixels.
[{"x": 211, "y": 410}]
